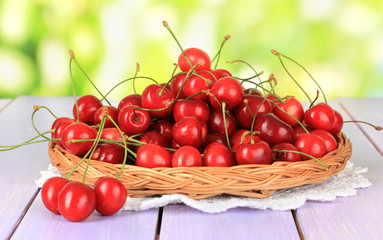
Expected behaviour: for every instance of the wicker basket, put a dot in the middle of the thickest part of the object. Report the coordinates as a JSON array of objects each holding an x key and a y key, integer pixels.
[{"x": 256, "y": 181}]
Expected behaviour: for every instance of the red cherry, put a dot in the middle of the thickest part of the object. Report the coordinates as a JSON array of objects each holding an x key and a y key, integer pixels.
[
  {"x": 76, "y": 201},
  {"x": 187, "y": 156},
  {"x": 320, "y": 116},
  {"x": 237, "y": 135},
  {"x": 338, "y": 124},
  {"x": 155, "y": 97},
  {"x": 153, "y": 137},
  {"x": 77, "y": 131},
  {"x": 273, "y": 130},
  {"x": 217, "y": 154},
  {"x": 214, "y": 137},
  {"x": 245, "y": 139},
  {"x": 164, "y": 128},
  {"x": 292, "y": 107},
  {"x": 228, "y": 90},
  {"x": 190, "y": 131},
  {"x": 310, "y": 144},
  {"x": 112, "y": 112},
  {"x": 183, "y": 108},
  {"x": 196, "y": 56},
  {"x": 87, "y": 106},
  {"x": 221, "y": 73},
  {"x": 328, "y": 138},
  {"x": 217, "y": 125},
  {"x": 114, "y": 134},
  {"x": 195, "y": 84},
  {"x": 285, "y": 156},
  {"x": 110, "y": 194},
  {"x": 253, "y": 153},
  {"x": 174, "y": 144},
  {"x": 255, "y": 103},
  {"x": 298, "y": 131},
  {"x": 50, "y": 192},
  {"x": 133, "y": 121},
  {"x": 108, "y": 153},
  {"x": 152, "y": 155},
  {"x": 133, "y": 99},
  {"x": 59, "y": 125},
  {"x": 176, "y": 84}
]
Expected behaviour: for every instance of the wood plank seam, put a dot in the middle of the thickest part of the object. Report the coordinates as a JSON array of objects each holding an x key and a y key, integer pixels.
[
  {"x": 361, "y": 129},
  {"x": 24, "y": 212},
  {"x": 159, "y": 221},
  {"x": 6, "y": 105},
  {"x": 298, "y": 225}
]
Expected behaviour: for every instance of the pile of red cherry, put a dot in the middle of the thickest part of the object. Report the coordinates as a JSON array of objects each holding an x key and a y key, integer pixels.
[{"x": 202, "y": 117}]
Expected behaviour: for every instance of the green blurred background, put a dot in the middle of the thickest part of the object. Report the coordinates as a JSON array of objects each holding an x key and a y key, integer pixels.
[{"x": 339, "y": 42}]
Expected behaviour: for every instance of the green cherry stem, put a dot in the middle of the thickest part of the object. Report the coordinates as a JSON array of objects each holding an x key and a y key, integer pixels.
[
  {"x": 134, "y": 78},
  {"x": 73, "y": 88},
  {"x": 35, "y": 109},
  {"x": 287, "y": 71},
  {"x": 87, "y": 77},
  {"x": 28, "y": 142},
  {"x": 218, "y": 55},
  {"x": 377, "y": 128},
  {"x": 224, "y": 123},
  {"x": 305, "y": 154}
]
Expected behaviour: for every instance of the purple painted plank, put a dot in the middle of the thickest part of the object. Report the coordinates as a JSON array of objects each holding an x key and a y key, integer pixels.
[
  {"x": 357, "y": 217},
  {"x": 42, "y": 224},
  {"x": 184, "y": 222},
  {"x": 367, "y": 109}
]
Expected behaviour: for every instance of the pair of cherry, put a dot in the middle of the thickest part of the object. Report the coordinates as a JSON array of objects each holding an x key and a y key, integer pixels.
[{"x": 76, "y": 201}]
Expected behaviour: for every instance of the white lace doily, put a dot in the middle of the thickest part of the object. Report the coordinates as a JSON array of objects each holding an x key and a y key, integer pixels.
[{"x": 343, "y": 184}]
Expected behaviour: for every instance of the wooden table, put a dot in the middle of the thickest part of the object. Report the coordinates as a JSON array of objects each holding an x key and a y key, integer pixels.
[{"x": 23, "y": 215}]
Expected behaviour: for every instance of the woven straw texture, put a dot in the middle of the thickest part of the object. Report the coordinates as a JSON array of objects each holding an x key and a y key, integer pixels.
[{"x": 256, "y": 181}]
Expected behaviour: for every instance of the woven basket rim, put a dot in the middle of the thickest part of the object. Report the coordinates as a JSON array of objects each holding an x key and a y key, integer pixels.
[{"x": 253, "y": 180}]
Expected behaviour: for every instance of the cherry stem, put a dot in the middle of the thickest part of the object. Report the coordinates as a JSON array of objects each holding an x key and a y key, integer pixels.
[
  {"x": 125, "y": 80},
  {"x": 264, "y": 89},
  {"x": 30, "y": 141},
  {"x": 315, "y": 99},
  {"x": 73, "y": 88},
  {"x": 224, "y": 123},
  {"x": 324, "y": 95},
  {"x": 178, "y": 43},
  {"x": 254, "y": 117},
  {"x": 287, "y": 71},
  {"x": 249, "y": 78},
  {"x": 377, "y": 128},
  {"x": 305, "y": 154},
  {"x": 251, "y": 67},
  {"x": 35, "y": 109},
  {"x": 134, "y": 78},
  {"x": 301, "y": 124},
  {"x": 86, "y": 75},
  {"x": 218, "y": 55},
  {"x": 182, "y": 86}
]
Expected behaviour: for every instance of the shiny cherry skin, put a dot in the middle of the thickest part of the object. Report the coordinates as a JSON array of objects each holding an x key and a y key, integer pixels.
[
  {"x": 76, "y": 201},
  {"x": 197, "y": 83},
  {"x": 298, "y": 131},
  {"x": 59, "y": 125},
  {"x": 133, "y": 99},
  {"x": 217, "y": 125},
  {"x": 285, "y": 156},
  {"x": 328, "y": 138},
  {"x": 132, "y": 120},
  {"x": 217, "y": 154},
  {"x": 176, "y": 85},
  {"x": 87, "y": 107},
  {"x": 187, "y": 156},
  {"x": 320, "y": 116},
  {"x": 338, "y": 124},
  {"x": 242, "y": 113},
  {"x": 245, "y": 139},
  {"x": 310, "y": 144},
  {"x": 108, "y": 153},
  {"x": 195, "y": 56},
  {"x": 237, "y": 135},
  {"x": 78, "y": 131},
  {"x": 174, "y": 144},
  {"x": 228, "y": 90},
  {"x": 110, "y": 194},
  {"x": 164, "y": 128},
  {"x": 183, "y": 108},
  {"x": 111, "y": 111},
  {"x": 190, "y": 130},
  {"x": 50, "y": 192},
  {"x": 293, "y": 107},
  {"x": 152, "y": 155},
  {"x": 253, "y": 153},
  {"x": 114, "y": 134},
  {"x": 273, "y": 130},
  {"x": 155, "y": 138},
  {"x": 214, "y": 137},
  {"x": 156, "y": 97},
  {"x": 221, "y": 73}
]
